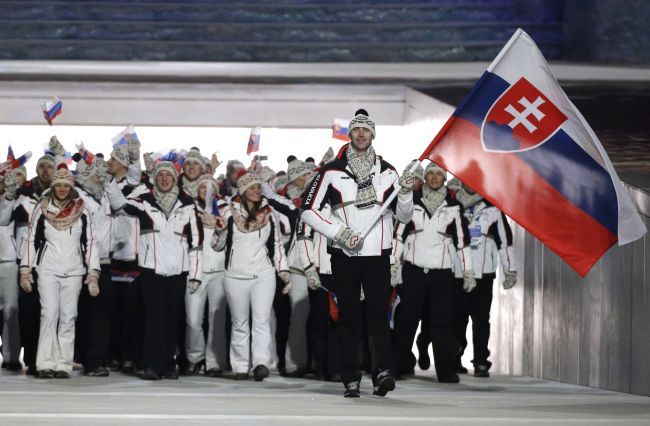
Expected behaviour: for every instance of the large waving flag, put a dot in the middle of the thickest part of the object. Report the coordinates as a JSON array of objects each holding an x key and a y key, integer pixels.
[{"x": 519, "y": 141}]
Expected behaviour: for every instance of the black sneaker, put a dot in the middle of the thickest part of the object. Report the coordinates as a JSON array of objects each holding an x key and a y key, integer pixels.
[
  {"x": 214, "y": 372},
  {"x": 260, "y": 373},
  {"x": 352, "y": 390},
  {"x": 453, "y": 378},
  {"x": 460, "y": 369},
  {"x": 171, "y": 375},
  {"x": 15, "y": 366},
  {"x": 240, "y": 376},
  {"x": 424, "y": 362},
  {"x": 481, "y": 370},
  {"x": 31, "y": 371},
  {"x": 97, "y": 372},
  {"x": 384, "y": 383},
  {"x": 128, "y": 367},
  {"x": 150, "y": 374},
  {"x": 45, "y": 374},
  {"x": 114, "y": 365},
  {"x": 62, "y": 374}
]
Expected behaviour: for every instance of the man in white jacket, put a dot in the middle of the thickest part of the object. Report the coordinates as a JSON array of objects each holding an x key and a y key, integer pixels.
[{"x": 355, "y": 185}]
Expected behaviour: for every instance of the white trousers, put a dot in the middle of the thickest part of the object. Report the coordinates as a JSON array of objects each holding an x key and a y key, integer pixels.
[
  {"x": 9, "y": 309},
  {"x": 211, "y": 291},
  {"x": 59, "y": 297},
  {"x": 296, "y": 355},
  {"x": 246, "y": 296}
]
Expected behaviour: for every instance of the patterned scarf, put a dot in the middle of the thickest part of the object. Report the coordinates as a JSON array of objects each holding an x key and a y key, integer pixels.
[
  {"x": 433, "y": 198},
  {"x": 243, "y": 224},
  {"x": 166, "y": 200},
  {"x": 361, "y": 165},
  {"x": 466, "y": 199},
  {"x": 62, "y": 214},
  {"x": 191, "y": 187}
]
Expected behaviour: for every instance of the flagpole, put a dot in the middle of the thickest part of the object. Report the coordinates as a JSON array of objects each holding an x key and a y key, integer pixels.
[{"x": 505, "y": 49}]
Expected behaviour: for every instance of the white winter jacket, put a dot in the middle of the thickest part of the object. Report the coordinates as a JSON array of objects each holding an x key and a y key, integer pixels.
[
  {"x": 7, "y": 243},
  {"x": 251, "y": 254},
  {"x": 335, "y": 184},
  {"x": 102, "y": 221},
  {"x": 431, "y": 240},
  {"x": 491, "y": 238},
  {"x": 168, "y": 246},
  {"x": 67, "y": 252},
  {"x": 126, "y": 229}
]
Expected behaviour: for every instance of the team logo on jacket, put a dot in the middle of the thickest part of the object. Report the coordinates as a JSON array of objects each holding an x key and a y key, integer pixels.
[{"x": 522, "y": 118}]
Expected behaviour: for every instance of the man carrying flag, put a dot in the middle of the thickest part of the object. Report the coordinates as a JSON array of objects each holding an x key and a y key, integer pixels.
[
  {"x": 519, "y": 141},
  {"x": 355, "y": 185}
]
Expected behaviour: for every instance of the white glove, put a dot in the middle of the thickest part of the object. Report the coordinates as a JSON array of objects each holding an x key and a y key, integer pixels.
[
  {"x": 11, "y": 186},
  {"x": 214, "y": 161},
  {"x": 26, "y": 280},
  {"x": 93, "y": 286},
  {"x": 509, "y": 279},
  {"x": 285, "y": 277},
  {"x": 407, "y": 179},
  {"x": 193, "y": 286},
  {"x": 349, "y": 239},
  {"x": 133, "y": 146},
  {"x": 313, "y": 280},
  {"x": 469, "y": 282},
  {"x": 149, "y": 163},
  {"x": 56, "y": 147},
  {"x": 394, "y": 269}
]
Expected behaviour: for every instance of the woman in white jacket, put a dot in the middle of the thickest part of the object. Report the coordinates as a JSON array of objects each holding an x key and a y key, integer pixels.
[
  {"x": 211, "y": 291},
  {"x": 254, "y": 253},
  {"x": 61, "y": 249},
  {"x": 169, "y": 257}
]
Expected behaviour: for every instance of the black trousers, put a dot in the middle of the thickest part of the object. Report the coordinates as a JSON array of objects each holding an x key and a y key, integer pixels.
[
  {"x": 282, "y": 310},
  {"x": 321, "y": 336},
  {"x": 350, "y": 273},
  {"x": 431, "y": 290},
  {"x": 126, "y": 328},
  {"x": 477, "y": 305},
  {"x": 163, "y": 299},
  {"x": 94, "y": 322},
  {"x": 29, "y": 317}
]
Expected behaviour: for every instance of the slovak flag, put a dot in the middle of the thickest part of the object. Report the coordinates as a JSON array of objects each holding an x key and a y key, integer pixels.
[
  {"x": 52, "y": 109},
  {"x": 340, "y": 129},
  {"x": 254, "y": 140},
  {"x": 519, "y": 141},
  {"x": 125, "y": 136}
]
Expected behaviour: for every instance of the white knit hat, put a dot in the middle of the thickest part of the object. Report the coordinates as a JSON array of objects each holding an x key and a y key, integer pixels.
[
  {"x": 195, "y": 155},
  {"x": 246, "y": 181},
  {"x": 121, "y": 154},
  {"x": 361, "y": 119},
  {"x": 165, "y": 165},
  {"x": 62, "y": 175},
  {"x": 207, "y": 179},
  {"x": 433, "y": 167},
  {"x": 298, "y": 168}
]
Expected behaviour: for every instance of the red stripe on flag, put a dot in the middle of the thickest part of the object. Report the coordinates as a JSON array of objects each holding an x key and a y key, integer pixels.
[{"x": 515, "y": 188}]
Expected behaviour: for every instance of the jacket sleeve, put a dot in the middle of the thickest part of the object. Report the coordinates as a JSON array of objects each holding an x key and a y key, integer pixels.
[
  {"x": 194, "y": 236},
  {"x": 305, "y": 245},
  {"x": 279, "y": 255},
  {"x": 316, "y": 197},
  {"x": 116, "y": 199},
  {"x": 218, "y": 241},
  {"x": 463, "y": 248},
  {"x": 6, "y": 210},
  {"x": 92, "y": 252},
  {"x": 28, "y": 259},
  {"x": 398, "y": 244},
  {"x": 505, "y": 244}
]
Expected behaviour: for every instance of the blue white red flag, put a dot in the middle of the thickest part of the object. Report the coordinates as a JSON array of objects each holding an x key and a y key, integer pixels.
[
  {"x": 52, "y": 109},
  {"x": 340, "y": 129},
  {"x": 519, "y": 141},
  {"x": 125, "y": 136},
  {"x": 176, "y": 157},
  {"x": 211, "y": 201},
  {"x": 254, "y": 140},
  {"x": 13, "y": 162}
]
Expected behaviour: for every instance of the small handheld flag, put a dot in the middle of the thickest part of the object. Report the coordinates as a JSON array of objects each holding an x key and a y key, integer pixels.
[
  {"x": 125, "y": 136},
  {"x": 340, "y": 129},
  {"x": 254, "y": 140},
  {"x": 52, "y": 109},
  {"x": 13, "y": 162}
]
